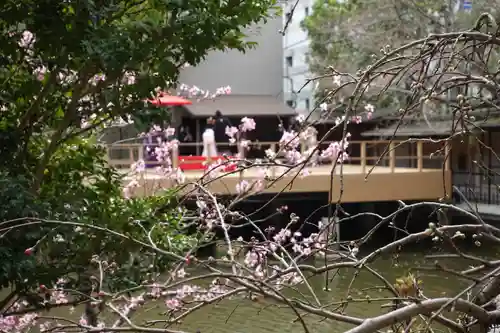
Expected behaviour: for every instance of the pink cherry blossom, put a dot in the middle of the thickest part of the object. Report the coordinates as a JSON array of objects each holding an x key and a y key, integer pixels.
[
  {"x": 27, "y": 39},
  {"x": 247, "y": 124}
]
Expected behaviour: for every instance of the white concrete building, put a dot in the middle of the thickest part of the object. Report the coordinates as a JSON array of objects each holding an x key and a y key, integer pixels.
[
  {"x": 295, "y": 47},
  {"x": 255, "y": 77},
  {"x": 255, "y": 72}
]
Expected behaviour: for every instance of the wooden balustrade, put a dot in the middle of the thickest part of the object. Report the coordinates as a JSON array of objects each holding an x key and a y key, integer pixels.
[{"x": 366, "y": 154}]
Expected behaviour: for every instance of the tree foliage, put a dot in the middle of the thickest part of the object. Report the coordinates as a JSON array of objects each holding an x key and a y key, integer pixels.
[
  {"x": 348, "y": 35},
  {"x": 63, "y": 62},
  {"x": 67, "y": 69},
  {"x": 276, "y": 267}
]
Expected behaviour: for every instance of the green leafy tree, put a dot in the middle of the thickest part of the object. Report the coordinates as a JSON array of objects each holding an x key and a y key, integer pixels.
[
  {"x": 67, "y": 69},
  {"x": 348, "y": 35},
  {"x": 63, "y": 62},
  {"x": 79, "y": 212}
]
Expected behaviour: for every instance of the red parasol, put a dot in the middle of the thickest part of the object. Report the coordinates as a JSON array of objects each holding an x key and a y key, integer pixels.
[{"x": 168, "y": 100}]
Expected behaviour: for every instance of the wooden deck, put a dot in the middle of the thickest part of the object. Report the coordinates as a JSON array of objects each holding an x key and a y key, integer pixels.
[{"x": 358, "y": 181}]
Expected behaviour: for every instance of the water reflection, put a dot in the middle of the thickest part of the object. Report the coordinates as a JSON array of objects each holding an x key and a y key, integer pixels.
[
  {"x": 241, "y": 315},
  {"x": 258, "y": 316}
]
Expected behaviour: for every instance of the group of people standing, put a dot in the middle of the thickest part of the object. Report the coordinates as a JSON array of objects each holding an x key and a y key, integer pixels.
[
  {"x": 215, "y": 141},
  {"x": 213, "y": 134}
]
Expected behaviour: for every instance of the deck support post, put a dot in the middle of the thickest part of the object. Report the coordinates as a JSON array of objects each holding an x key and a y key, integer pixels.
[
  {"x": 175, "y": 156},
  {"x": 131, "y": 155},
  {"x": 420, "y": 156},
  {"x": 392, "y": 156},
  {"x": 447, "y": 156},
  {"x": 140, "y": 153},
  {"x": 363, "y": 157}
]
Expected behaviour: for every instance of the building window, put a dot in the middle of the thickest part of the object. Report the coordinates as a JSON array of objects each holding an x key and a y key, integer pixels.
[
  {"x": 289, "y": 61},
  {"x": 288, "y": 18},
  {"x": 308, "y": 106},
  {"x": 306, "y": 10}
]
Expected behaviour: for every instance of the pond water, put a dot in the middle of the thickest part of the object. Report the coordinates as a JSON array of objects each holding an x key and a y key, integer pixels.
[
  {"x": 241, "y": 315},
  {"x": 246, "y": 316}
]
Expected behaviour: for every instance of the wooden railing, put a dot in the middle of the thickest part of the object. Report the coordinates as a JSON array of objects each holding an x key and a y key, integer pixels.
[{"x": 418, "y": 155}]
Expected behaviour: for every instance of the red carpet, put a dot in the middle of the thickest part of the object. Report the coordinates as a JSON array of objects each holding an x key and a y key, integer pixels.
[{"x": 198, "y": 163}]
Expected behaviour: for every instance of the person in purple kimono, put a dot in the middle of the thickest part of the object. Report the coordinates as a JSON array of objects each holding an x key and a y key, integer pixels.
[{"x": 151, "y": 141}]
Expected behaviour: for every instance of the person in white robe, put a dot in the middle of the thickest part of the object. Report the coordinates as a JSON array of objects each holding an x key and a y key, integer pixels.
[
  {"x": 208, "y": 138},
  {"x": 311, "y": 142}
]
